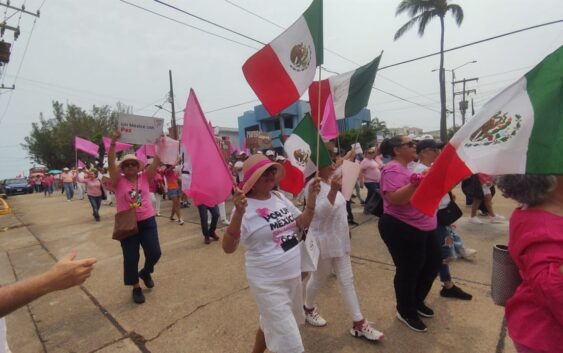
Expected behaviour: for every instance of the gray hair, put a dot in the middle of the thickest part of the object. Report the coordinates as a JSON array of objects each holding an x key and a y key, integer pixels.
[{"x": 531, "y": 190}]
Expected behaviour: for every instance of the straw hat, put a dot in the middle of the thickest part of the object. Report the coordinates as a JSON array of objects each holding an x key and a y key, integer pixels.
[
  {"x": 132, "y": 157},
  {"x": 254, "y": 167}
]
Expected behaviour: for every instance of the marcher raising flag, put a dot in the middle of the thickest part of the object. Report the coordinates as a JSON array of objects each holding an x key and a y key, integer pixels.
[
  {"x": 280, "y": 72},
  {"x": 519, "y": 131}
]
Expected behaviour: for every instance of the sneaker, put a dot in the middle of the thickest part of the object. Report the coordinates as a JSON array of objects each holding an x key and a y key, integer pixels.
[
  {"x": 158, "y": 214},
  {"x": 367, "y": 331},
  {"x": 424, "y": 311},
  {"x": 353, "y": 223},
  {"x": 207, "y": 241},
  {"x": 146, "y": 277},
  {"x": 214, "y": 236},
  {"x": 467, "y": 253},
  {"x": 414, "y": 323},
  {"x": 226, "y": 222},
  {"x": 180, "y": 222},
  {"x": 172, "y": 219},
  {"x": 482, "y": 214},
  {"x": 455, "y": 292},
  {"x": 497, "y": 219},
  {"x": 474, "y": 220},
  {"x": 313, "y": 318},
  {"x": 138, "y": 296}
]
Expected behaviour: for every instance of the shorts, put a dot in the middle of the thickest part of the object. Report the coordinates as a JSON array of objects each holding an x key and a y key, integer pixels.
[
  {"x": 280, "y": 304},
  {"x": 174, "y": 193},
  {"x": 486, "y": 189}
]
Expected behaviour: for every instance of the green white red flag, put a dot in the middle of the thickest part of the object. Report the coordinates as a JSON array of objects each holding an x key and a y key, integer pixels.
[
  {"x": 350, "y": 91},
  {"x": 280, "y": 72},
  {"x": 519, "y": 131}
]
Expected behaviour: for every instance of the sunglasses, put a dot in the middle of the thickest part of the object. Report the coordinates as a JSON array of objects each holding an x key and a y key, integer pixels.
[{"x": 130, "y": 164}]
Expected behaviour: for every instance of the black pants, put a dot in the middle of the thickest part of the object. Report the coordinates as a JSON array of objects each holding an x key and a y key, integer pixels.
[
  {"x": 205, "y": 229},
  {"x": 349, "y": 211},
  {"x": 147, "y": 238},
  {"x": 417, "y": 257}
]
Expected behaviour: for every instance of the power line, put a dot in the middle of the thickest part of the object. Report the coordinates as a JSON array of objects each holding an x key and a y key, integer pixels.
[
  {"x": 188, "y": 25},
  {"x": 209, "y": 22}
]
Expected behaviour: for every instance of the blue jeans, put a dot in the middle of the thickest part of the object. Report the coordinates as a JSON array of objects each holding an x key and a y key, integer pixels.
[
  {"x": 205, "y": 229},
  {"x": 372, "y": 189},
  {"x": 147, "y": 238},
  {"x": 95, "y": 202},
  {"x": 450, "y": 243},
  {"x": 69, "y": 190}
]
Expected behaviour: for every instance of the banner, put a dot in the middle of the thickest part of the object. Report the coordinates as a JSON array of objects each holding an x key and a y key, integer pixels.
[
  {"x": 258, "y": 139},
  {"x": 139, "y": 130},
  {"x": 168, "y": 150},
  {"x": 350, "y": 174}
]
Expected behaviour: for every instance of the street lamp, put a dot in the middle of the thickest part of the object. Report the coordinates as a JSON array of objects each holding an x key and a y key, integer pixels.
[{"x": 453, "y": 88}]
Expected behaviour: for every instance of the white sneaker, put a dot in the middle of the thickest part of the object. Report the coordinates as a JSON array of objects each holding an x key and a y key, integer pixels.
[
  {"x": 226, "y": 222},
  {"x": 314, "y": 319},
  {"x": 474, "y": 220},
  {"x": 467, "y": 253},
  {"x": 180, "y": 222},
  {"x": 367, "y": 331},
  {"x": 497, "y": 219}
]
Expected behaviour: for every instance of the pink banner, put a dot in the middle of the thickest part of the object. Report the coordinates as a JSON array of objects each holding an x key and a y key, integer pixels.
[
  {"x": 119, "y": 146},
  {"x": 86, "y": 146},
  {"x": 81, "y": 164},
  {"x": 329, "y": 128},
  {"x": 150, "y": 150},
  {"x": 206, "y": 188},
  {"x": 140, "y": 153}
]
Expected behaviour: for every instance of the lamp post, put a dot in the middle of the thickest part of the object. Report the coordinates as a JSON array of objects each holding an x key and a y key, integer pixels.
[{"x": 453, "y": 86}]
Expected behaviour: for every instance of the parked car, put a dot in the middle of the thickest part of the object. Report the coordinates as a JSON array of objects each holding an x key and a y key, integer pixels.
[{"x": 17, "y": 186}]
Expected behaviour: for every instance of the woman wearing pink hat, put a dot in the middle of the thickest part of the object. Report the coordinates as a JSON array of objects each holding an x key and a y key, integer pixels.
[
  {"x": 131, "y": 186},
  {"x": 267, "y": 224}
]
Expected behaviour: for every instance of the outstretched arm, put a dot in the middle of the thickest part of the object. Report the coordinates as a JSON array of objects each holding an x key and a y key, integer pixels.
[{"x": 64, "y": 274}]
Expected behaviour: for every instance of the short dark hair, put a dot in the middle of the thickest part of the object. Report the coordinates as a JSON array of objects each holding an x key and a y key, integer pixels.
[
  {"x": 531, "y": 190},
  {"x": 388, "y": 145}
]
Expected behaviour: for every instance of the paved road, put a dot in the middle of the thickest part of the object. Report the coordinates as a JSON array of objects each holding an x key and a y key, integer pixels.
[{"x": 201, "y": 302}]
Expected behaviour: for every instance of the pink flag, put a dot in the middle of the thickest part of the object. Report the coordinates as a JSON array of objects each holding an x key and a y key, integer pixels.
[
  {"x": 140, "y": 153},
  {"x": 119, "y": 146},
  {"x": 81, "y": 164},
  {"x": 150, "y": 150},
  {"x": 206, "y": 188},
  {"x": 86, "y": 146},
  {"x": 329, "y": 128}
]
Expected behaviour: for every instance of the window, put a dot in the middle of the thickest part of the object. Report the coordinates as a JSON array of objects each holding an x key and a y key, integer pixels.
[{"x": 288, "y": 122}]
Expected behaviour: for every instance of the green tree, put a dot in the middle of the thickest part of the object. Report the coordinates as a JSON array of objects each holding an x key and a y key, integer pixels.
[
  {"x": 422, "y": 12},
  {"x": 366, "y": 135},
  {"x": 51, "y": 141}
]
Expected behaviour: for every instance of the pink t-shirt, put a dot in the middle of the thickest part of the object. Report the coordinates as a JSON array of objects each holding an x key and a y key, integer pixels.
[
  {"x": 394, "y": 176},
  {"x": 126, "y": 196},
  {"x": 93, "y": 186},
  {"x": 370, "y": 170},
  {"x": 534, "y": 314}
]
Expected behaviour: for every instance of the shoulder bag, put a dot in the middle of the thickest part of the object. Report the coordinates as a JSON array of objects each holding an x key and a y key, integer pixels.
[{"x": 126, "y": 222}]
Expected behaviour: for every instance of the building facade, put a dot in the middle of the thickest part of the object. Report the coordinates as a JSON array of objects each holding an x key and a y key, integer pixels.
[{"x": 282, "y": 125}]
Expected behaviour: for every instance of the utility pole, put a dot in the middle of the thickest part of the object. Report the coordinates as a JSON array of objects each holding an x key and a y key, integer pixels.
[
  {"x": 463, "y": 105},
  {"x": 171, "y": 100}
]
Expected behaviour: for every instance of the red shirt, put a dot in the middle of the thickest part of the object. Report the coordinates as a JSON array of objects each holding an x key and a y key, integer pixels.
[{"x": 534, "y": 314}]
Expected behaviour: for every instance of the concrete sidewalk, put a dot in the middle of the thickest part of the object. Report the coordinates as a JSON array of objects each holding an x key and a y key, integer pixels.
[{"x": 201, "y": 302}]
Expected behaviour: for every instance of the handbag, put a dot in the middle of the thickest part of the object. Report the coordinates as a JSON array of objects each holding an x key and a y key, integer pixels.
[
  {"x": 447, "y": 216},
  {"x": 505, "y": 275},
  {"x": 125, "y": 224}
]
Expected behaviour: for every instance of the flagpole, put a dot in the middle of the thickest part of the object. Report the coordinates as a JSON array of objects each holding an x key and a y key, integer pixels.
[{"x": 319, "y": 123}]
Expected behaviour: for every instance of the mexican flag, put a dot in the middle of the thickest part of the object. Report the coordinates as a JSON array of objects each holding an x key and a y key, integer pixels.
[
  {"x": 519, "y": 131},
  {"x": 301, "y": 150},
  {"x": 281, "y": 71},
  {"x": 350, "y": 91}
]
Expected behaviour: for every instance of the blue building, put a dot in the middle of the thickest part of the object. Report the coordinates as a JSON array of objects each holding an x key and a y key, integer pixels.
[{"x": 283, "y": 123}]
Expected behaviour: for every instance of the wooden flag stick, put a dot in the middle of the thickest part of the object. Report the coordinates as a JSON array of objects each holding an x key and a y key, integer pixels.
[{"x": 319, "y": 123}]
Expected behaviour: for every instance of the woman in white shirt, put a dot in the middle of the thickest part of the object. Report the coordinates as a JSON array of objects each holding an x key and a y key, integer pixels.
[
  {"x": 329, "y": 228},
  {"x": 267, "y": 224}
]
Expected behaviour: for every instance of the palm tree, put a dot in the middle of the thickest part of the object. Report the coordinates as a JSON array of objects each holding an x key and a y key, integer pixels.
[{"x": 422, "y": 12}]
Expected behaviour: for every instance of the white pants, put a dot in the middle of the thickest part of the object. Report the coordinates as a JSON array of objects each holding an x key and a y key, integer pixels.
[
  {"x": 155, "y": 200},
  {"x": 81, "y": 190},
  {"x": 343, "y": 269},
  {"x": 222, "y": 212},
  {"x": 280, "y": 304}
]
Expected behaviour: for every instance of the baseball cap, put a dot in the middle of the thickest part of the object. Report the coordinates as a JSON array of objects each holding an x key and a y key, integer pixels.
[
  {"x": 428, "y": 143},
  {"x": 270, "y": 153}
]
